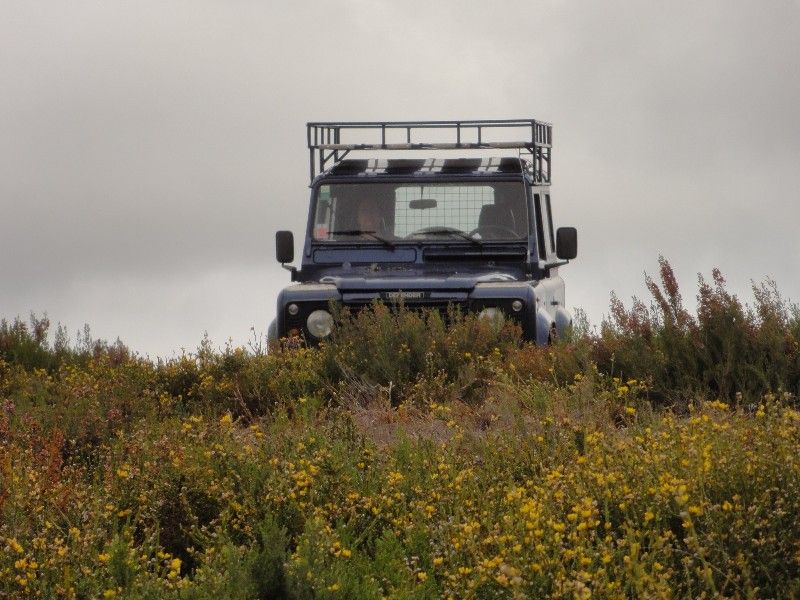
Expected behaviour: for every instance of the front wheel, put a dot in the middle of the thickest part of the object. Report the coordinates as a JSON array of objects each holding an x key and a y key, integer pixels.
[{"x": 552, "y": 337}]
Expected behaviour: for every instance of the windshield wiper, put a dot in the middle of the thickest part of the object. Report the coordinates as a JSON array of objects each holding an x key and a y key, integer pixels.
[
  {"x": 461, "y": 234},
  {"x": 371, "y": 234}
]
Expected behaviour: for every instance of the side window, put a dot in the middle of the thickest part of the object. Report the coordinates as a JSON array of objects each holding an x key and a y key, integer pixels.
[
  {"x": 550, "y": 223},
  {"x": 325, "y": 217},
  {"x": 540, "y": 230}
]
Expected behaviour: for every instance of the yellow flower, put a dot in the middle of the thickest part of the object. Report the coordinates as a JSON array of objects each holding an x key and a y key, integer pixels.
[
  {"x": 226, "y": 419},
  {"x": 103, "y": 557}
]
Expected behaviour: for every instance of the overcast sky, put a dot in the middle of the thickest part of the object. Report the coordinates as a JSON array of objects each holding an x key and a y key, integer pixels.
[{"x": 150, "y": 150}]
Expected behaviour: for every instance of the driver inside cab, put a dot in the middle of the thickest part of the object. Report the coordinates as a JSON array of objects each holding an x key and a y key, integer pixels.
[{"x": 371, "y": 217}]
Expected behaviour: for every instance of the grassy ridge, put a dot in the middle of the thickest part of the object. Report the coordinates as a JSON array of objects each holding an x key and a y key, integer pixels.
[{"x": 655, "y": 457}]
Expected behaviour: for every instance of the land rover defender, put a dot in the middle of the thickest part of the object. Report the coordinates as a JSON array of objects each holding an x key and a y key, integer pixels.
[{"x": 476, "y": 233}]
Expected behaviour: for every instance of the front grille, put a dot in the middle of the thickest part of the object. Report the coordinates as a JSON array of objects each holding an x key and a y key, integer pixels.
[{"x": 444, "y": 307}]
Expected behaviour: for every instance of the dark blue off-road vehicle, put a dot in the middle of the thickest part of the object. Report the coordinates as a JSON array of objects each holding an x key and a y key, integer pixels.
[{"x": 476, "y": 233}]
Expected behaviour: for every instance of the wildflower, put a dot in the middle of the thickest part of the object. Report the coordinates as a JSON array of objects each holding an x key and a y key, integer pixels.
[{"x": 226, "y": 420}]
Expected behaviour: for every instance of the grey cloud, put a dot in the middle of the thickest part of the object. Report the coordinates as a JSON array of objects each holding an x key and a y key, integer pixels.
[{"x": 151, "y": 150}]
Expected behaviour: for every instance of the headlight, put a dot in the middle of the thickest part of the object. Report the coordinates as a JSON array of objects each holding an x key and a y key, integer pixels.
[
  {"x": 491, "y": 314},
  {"x": 320, "y": 323},
  {"x": 293, "y": 309},
  {"x": 516, "y": 305}
]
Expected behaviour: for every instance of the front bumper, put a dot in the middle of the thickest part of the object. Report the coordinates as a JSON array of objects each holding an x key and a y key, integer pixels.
[{"x": 311, "y": 297}]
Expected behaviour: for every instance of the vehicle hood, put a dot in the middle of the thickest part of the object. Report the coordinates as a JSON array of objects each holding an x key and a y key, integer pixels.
[{"x": 414, "y": 279}]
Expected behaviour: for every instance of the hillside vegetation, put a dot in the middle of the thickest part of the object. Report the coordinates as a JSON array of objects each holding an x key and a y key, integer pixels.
[{"x": 653, "y": 457}]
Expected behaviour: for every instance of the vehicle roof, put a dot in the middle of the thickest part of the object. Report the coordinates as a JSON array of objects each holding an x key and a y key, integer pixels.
[{"x": 410, "y": 167}]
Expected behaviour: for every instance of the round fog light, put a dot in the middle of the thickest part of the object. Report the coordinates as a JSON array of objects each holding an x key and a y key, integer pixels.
[
  {"x": 320, "y": 323},
  {"x": 516, "y": 305},
  {"x": 293, "y": 309}
]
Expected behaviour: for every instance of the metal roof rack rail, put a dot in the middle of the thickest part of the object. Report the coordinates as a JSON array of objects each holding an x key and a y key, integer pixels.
[{"x": 327, "y": 146}]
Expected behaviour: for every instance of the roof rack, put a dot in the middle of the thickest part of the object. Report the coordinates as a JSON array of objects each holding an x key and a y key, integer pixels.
[{"x": 326, "y": 146}]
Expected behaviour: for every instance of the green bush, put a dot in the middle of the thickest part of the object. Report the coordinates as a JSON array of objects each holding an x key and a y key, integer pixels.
[
  {"x": 401, "y": 348},
  {"x": 728, "y": 350}
]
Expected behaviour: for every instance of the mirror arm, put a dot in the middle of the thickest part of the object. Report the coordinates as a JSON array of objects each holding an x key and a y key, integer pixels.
[
  {"x": 292, "y": 270},
  {"x": 556, "y": 263}
]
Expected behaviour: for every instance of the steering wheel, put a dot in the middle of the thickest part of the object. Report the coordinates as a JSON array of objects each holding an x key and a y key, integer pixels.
[
  {"x": 438, "y": 230},
  {"x": 497, "y": 228}
]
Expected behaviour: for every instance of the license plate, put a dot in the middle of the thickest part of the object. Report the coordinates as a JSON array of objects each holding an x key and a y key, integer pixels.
[{"x": 404, "y": 296}]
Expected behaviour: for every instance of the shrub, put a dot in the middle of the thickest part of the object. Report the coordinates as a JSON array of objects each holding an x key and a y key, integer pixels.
[
  {"x": 729, "y": 350},
  {"x": 399, "y": 347}
]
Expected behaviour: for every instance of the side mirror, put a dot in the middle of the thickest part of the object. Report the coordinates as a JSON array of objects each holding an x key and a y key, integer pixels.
[
  {"x": 284, "y": 246},
  {"x": 567, "y": 243}
]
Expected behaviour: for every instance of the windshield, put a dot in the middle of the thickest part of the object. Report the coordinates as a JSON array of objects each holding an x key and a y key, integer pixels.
[{"x": 388, "y": 212}]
